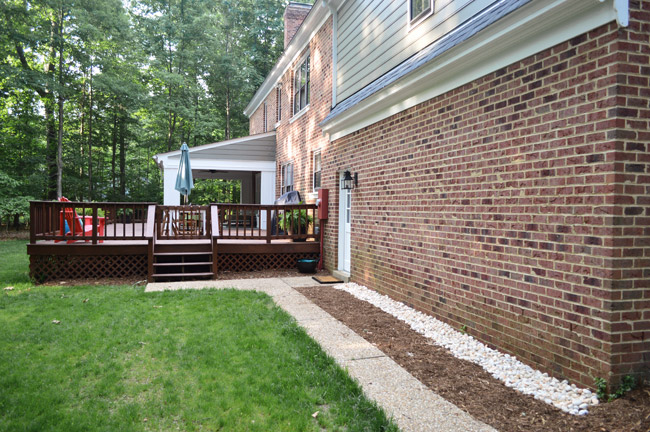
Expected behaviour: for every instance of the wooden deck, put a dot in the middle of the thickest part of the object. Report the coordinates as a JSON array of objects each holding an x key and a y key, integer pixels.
[{"x": 144, "y": 239}]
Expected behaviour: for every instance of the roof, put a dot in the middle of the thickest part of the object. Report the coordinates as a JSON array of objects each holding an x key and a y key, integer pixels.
[
  {"x": 300, "y": 4},
  {"x": 260, "y": 147},
  {"x": 455, "y": 37}
]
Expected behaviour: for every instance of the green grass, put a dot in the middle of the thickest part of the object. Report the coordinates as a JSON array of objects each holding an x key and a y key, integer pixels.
[
  {"x": 14, "y": 263},
  {"x": 187, "y": 360}
]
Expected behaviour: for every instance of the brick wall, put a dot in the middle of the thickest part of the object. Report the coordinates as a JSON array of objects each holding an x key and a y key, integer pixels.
[
  {"x": 629, "y": 307},
  {"x": 517, "y": 205},
  {"x": 297, "y": 137},
  {"x": 256, "y": 121}
]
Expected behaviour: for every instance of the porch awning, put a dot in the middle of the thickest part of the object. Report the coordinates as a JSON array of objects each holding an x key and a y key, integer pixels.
[{"x": 234, "y": 152}]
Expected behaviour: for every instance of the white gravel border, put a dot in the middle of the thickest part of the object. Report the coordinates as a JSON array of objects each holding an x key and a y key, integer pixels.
[{"x": 504, "y": 367}]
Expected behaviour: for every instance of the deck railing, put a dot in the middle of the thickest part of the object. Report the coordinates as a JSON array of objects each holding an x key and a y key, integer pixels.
[
  {"x": 183, "y": 222},
  {"x": 73, "y": 222},
  {"x": 88, "y": 222},
  {"x": 267, "y": 222}
]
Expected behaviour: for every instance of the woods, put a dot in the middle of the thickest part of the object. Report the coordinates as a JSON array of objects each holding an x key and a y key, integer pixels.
[{"x": 90, "y": 90}]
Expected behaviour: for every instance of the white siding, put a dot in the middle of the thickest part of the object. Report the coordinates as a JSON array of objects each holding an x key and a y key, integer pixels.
[{"x": 374, "y": 36}]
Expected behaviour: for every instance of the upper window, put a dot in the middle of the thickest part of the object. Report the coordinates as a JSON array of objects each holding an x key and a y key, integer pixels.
[
  {"x": 278, "y": 104},
  {"x": 418, "y": 9},
  {"x": 301, "y": 86},
  {"x": 286, "y": 183},
  {"x": 317, "y": 170}
]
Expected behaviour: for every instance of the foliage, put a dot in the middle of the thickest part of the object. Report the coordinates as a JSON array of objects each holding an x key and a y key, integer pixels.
[
  {"x": 12, "y": 203},
  {"x": 628, "y": 383},
  {"x": 207, "y": 191},
  {"x": 295, "y": 219},
  {"x": 601, "y": 388},
  {"x": 111, "y": 83}
]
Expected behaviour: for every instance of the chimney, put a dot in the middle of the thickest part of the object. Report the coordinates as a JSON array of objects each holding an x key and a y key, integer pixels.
[{"x": 294, "y": 15}]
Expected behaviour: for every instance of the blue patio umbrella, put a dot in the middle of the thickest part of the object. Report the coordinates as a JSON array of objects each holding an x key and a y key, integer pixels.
[{"x": 184, "y": 182}]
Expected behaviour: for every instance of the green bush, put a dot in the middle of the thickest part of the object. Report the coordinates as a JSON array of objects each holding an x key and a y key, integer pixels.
[{"x": 296, "y": 219}]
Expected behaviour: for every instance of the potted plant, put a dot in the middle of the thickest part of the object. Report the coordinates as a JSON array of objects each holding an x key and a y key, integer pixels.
[
  {"x": 307, "y": 265},
  {"x": 295, "y": 221}
]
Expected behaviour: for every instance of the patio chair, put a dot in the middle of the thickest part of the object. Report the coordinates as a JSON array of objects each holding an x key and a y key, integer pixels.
[{"x": 71, "y": 221}]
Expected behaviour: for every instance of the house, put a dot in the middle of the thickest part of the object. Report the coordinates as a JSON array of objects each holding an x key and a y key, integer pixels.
[{"x": 502, "y": 157}]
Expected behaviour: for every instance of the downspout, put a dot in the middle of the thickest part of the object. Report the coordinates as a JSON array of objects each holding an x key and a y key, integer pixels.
[{"x": 335, "y": 55}]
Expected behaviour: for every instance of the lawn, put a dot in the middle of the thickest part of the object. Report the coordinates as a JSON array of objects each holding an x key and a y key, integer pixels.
[
  {"x": 14, "y": 263},
  {"x": 114, "y": 358}
]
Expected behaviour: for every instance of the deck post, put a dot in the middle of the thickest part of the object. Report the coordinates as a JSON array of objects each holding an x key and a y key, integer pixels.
[
  {"x": 268, "y": 225},
  {"x": 214, "y": 227},
  {"x": 32, "y": 222},
  {"x": 95, "y": 222},
  {"x": 150, "y": 234}
]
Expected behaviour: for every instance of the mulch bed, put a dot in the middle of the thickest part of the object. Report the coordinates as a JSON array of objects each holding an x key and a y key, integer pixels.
[
  {"x": 467, "y": 385},
  {"x": 13, "y": 235}
]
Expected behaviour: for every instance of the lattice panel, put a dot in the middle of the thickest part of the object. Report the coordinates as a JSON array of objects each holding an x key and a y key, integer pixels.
[
  {"x": 252, "y": 262},
  {"x": 43, "y": 268}
]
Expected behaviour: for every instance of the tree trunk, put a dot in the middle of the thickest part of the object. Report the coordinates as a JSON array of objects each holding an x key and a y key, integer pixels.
[
  {"x": 48, "y": 107},
  {"x": 50, "y": 148},
  {"x": 82, "y": 129},
  {"x": 123, "y": 157},
  {"x": 113, "y": 161},
  {"x": 227, "y": 132},
  {"x": 59, "y": 152},
  {"x": 172, "y": 128},
  {"x": 90, "y": 135}
]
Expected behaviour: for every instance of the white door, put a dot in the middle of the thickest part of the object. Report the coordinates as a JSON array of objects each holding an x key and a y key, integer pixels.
[{"x": 345, "y": 218}]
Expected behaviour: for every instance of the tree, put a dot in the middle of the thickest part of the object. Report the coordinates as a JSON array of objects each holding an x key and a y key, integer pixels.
[
  {"x": 12, "y": 202},
  {"x": 90, "y": 90}
]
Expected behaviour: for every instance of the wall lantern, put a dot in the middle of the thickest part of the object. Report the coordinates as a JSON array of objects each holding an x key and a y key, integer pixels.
[{"x": 349, "y": 182}]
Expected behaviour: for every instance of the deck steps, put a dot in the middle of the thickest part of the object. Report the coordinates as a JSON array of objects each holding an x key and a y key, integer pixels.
[
  {"x": 183, "y": 253},
  {"x": 184, "y": 276},
  {"x": 184, "y": 262}
]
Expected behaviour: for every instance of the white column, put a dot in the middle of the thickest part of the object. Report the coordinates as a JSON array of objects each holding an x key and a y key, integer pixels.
[
  {"x": 267, "y": 188},
  {"x": 267, "y": 191},
  {"x": 170, "y": 195}
]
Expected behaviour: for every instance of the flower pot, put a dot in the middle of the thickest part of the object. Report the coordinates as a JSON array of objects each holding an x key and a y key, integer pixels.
[
  {"x": 302, "y": 230},
  {"x": 307, "y": 265}
]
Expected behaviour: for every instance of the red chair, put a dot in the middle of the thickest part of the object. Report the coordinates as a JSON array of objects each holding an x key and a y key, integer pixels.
[{"x": 82, "y": 226}]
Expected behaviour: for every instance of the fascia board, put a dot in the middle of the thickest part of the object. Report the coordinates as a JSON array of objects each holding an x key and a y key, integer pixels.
[
  {"x": 234, "y": 165},
  {"x": 227, "y": 165},
  {"x": 525, "y": 32},
  {"x": 314, "y": 21}
]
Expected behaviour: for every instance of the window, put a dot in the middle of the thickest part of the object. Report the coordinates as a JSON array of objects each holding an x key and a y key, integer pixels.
[
  {"x": 418, "y": 9},
  {"x": 265, "y": 116},
  {"x": 278, "y": 104},
  {"x": 286, "y": 184},
  {"x": 301, "y": 86},
  {"x": 317, "y": 170}
]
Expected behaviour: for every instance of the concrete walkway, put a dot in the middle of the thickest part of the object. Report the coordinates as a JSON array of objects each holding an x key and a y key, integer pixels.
[{"x": 411, "y": 404}]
